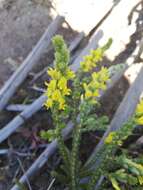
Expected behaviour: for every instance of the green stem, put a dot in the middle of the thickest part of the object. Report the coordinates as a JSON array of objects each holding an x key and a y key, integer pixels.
[
  {"x": 74, "y": 159},
  {"x": 62, "y": 148}
]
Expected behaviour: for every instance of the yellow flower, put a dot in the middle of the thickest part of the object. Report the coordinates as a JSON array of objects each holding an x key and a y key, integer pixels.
[
  {"x": 139, "y": 120},
  {"x": 139, "y": 109},
  {"x": 95, "y": 76},
  {"x": 139, "y": 113},
  {"x": 66, "y": 91},
  {"x": 104, "y": 74},
  {"x": 89, "y": 57},
  {"x": 97, "y": 83},
  {"x": 62, "y": 104},
  {"x": 96, "y": 93},
  {"x": 54, "y": 74},
  {"x": 62, "y": 83},
  {"x": 49, "y": 103},
  {"x": 89, "y": 61},
  {"x": 69, "y": 74},
  {"x": 56, "y": 95},
  {"x": 57, "y": 88},
  {"x": 97, "y": 54},
  {"x": 88, "y": 94},
  {"x": 110, "y": 137},
  {"x": 51, "y": 87},
  {"x": 85, "y": 86},
  {"x": 140, "y": 178},
  {"x": 87, "y": 66}
]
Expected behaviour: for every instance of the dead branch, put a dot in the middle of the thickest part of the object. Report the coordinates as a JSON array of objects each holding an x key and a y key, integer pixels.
[
  {"x": 21, "y": 118},
  {"x": 23, "y": 170},
  {"x": 16, "y": 107},
  {"x": 76, "y": 42}
]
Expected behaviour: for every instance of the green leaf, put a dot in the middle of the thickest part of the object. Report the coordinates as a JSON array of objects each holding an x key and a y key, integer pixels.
[
  {"x": 123, "y": 177},
  {"x": 114, "y": 183},
  {"x": 93, "y": 123},
  {"x": 134, "y": 171},
  {"x": 48, "y": 135},
  {"x": 60, "y": 177},
  {"x": 107, "y": 45},
  {"x": 20, "y": 185}
]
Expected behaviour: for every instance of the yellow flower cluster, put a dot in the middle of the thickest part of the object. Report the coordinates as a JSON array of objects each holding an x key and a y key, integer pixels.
[
  {"x": 97, "y": 83},
  {"x": 139, "y": 113},
  {"x": 89, "y": 61},
  {"x": 57, "y": 88},
  {"x": 109, "y": 138}
]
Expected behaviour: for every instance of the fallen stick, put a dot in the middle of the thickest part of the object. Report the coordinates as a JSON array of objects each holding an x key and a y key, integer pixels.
[
  {"x": 25, "y": 151},
  {"x": 16, "y": 107},
  {"x": 23, "y": 170},
  {"x": 4, "y": 151},
  {"x": 21, "y": 73},
  {"x": 37, "y": 89},
  {"x": 76, "y": 42},
  {"x": 21, "y": 118}
]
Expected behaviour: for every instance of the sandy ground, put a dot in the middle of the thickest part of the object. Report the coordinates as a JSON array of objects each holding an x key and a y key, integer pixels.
[{"x": 22, "y": 22}]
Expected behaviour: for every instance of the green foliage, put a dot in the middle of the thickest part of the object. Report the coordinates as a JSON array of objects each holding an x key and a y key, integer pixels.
[
  {"x": 20, "y": 185},
  {"x": 121, "y": 170},
  {"x": 61, "y": 53},
  {"x": 116, "y": 68},
  {"x": 91, "y": 123}
]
